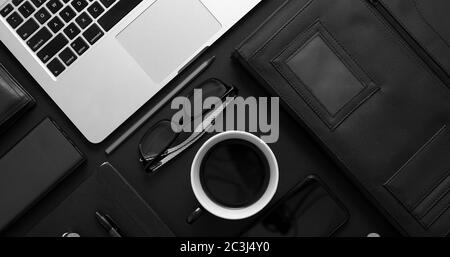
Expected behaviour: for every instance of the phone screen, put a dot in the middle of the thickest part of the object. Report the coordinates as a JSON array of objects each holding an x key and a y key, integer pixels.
[{"x": 308, "y": 210}]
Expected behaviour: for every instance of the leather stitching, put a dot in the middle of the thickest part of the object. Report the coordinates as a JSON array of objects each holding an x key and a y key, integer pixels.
[
  {"x": 416, "y": 39},
  {"x": 332, "y": 121},
  {"x": 438, "y": 218},
  {"x": 405, "y": 47},
  {"x": 435, "y": 202},
  {"x": 425, "y": 19},
  {"x": 423, "y": 149}
]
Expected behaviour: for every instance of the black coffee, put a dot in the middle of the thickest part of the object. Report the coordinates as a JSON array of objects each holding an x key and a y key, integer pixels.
[{"x": 235, "y": 173}]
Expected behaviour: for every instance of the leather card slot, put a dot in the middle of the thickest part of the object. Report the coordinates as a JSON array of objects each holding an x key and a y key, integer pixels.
[
  {"x": 324, "y": 75},
  {"x": 432, "y": 201},
  {"x": 441, "y": 224},
  {"x": 422, "y": 184},
  {"x": 438, "y": 209}
]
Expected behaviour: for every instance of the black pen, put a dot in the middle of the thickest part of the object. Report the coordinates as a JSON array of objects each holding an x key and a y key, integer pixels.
[
  {"x": 108, "y": 224},
  {"x": 159, "y": 105}
]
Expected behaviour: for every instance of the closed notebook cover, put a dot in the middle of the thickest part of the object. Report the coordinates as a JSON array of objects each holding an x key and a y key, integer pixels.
[
  {"x": 107, "y": 192},
  {"x": 13, "y": 99},
  {"x": 366, "y": 96},
  {"x": 33, "y": 167}
]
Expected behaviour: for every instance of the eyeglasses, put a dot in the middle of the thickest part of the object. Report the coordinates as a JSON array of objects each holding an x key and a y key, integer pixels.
[{"x": 161, "y": 143}]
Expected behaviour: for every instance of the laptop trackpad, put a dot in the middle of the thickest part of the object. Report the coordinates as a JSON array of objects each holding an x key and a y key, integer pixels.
[{"x": 167, "y": 34}]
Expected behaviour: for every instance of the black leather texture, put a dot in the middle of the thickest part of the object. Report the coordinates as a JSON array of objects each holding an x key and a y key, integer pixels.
[
  {"x": 428, "y": 22},
  {"x": 106, "y": 191},
  {"x": 32, "y": 168},
  {"x": 379, "y": 110},
  {"x": 14, "y": 100}
]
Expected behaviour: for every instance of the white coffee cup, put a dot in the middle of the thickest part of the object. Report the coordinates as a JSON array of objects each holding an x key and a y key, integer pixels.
[{"x": 222, "y": 211}]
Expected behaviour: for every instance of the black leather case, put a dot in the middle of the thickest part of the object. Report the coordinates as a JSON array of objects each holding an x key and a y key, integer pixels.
[
  {"x": 32, "y": 168},
  {"x": 14, "y": 100},
  {"x": 364, "y": 93}
]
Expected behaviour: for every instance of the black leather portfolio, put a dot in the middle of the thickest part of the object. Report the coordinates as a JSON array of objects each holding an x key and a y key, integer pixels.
[
  {"x": 33, "y": 167},
  {"x": 369, "y": 79},
  {"x": 106, "y": 192},
  {"x": 14, "y": 100}
]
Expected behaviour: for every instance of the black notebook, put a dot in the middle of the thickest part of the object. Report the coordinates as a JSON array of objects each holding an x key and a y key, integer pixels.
[
  {"x": 369, "y": 79},
  {"x": 107, "y": 192},
  {"x": 32, "y": 168}
]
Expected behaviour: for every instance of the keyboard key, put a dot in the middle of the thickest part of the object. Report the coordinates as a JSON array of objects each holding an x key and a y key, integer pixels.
[
  {"x": 67, "y": 14},
  {"x": 39, "y": 39},
  {"x": 56, "y": 67},
  {"x": 79, "y": 5},
  {"x": 79, "y": 46},
  {"x": 28, "y": 28},
  {"x": 26, "y": 9},
  {"x": 68, "y": 56},
  {"x": 83, "y": 20},
  {"x": 38, "y": 3},
  {"x": 96, "y": 9},
  {"x": 54, "y": 6},
  {"x": 42, "y": 15},
  {"x": 72, "y": 31},
  {"x": 17, "y": 2},
  {"x": 52, "y": 48},
  {"x": 14, "y": 20},
  {"x": 107, "y": 3},
  {"x": 117, "y": 13},
  {"x": 6, "y": 10},
  {"x": 93, "y": 34},
  {"x": 56, "y": 24}
]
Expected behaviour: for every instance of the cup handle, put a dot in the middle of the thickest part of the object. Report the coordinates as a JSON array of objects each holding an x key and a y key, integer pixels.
[{"x": 195, "y": 215}]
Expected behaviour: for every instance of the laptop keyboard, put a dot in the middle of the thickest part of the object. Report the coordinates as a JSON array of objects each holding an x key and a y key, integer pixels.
[{"x": 60, "y": 31}]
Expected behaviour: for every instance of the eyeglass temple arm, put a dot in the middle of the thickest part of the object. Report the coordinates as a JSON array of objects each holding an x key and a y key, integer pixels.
[
  {"x": 203, "y": 127},
  {"x": 230, "y": 93}
]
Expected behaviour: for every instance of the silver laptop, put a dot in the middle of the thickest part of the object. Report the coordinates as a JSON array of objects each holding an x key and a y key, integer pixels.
[{"x": 101, "y": 60}]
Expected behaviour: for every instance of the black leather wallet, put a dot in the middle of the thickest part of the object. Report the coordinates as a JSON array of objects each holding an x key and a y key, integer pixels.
[
  {"x": 32, "y": 168},
  {"x": 355, "y": 78},
  {"x": 14, "y": 100}
]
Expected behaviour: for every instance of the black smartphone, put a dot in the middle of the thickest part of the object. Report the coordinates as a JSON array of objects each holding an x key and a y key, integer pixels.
[{"x": 310, "y": 209}]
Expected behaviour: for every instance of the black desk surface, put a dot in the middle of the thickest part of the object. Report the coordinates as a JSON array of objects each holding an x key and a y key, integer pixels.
[{"x": 169, "y": 192}]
